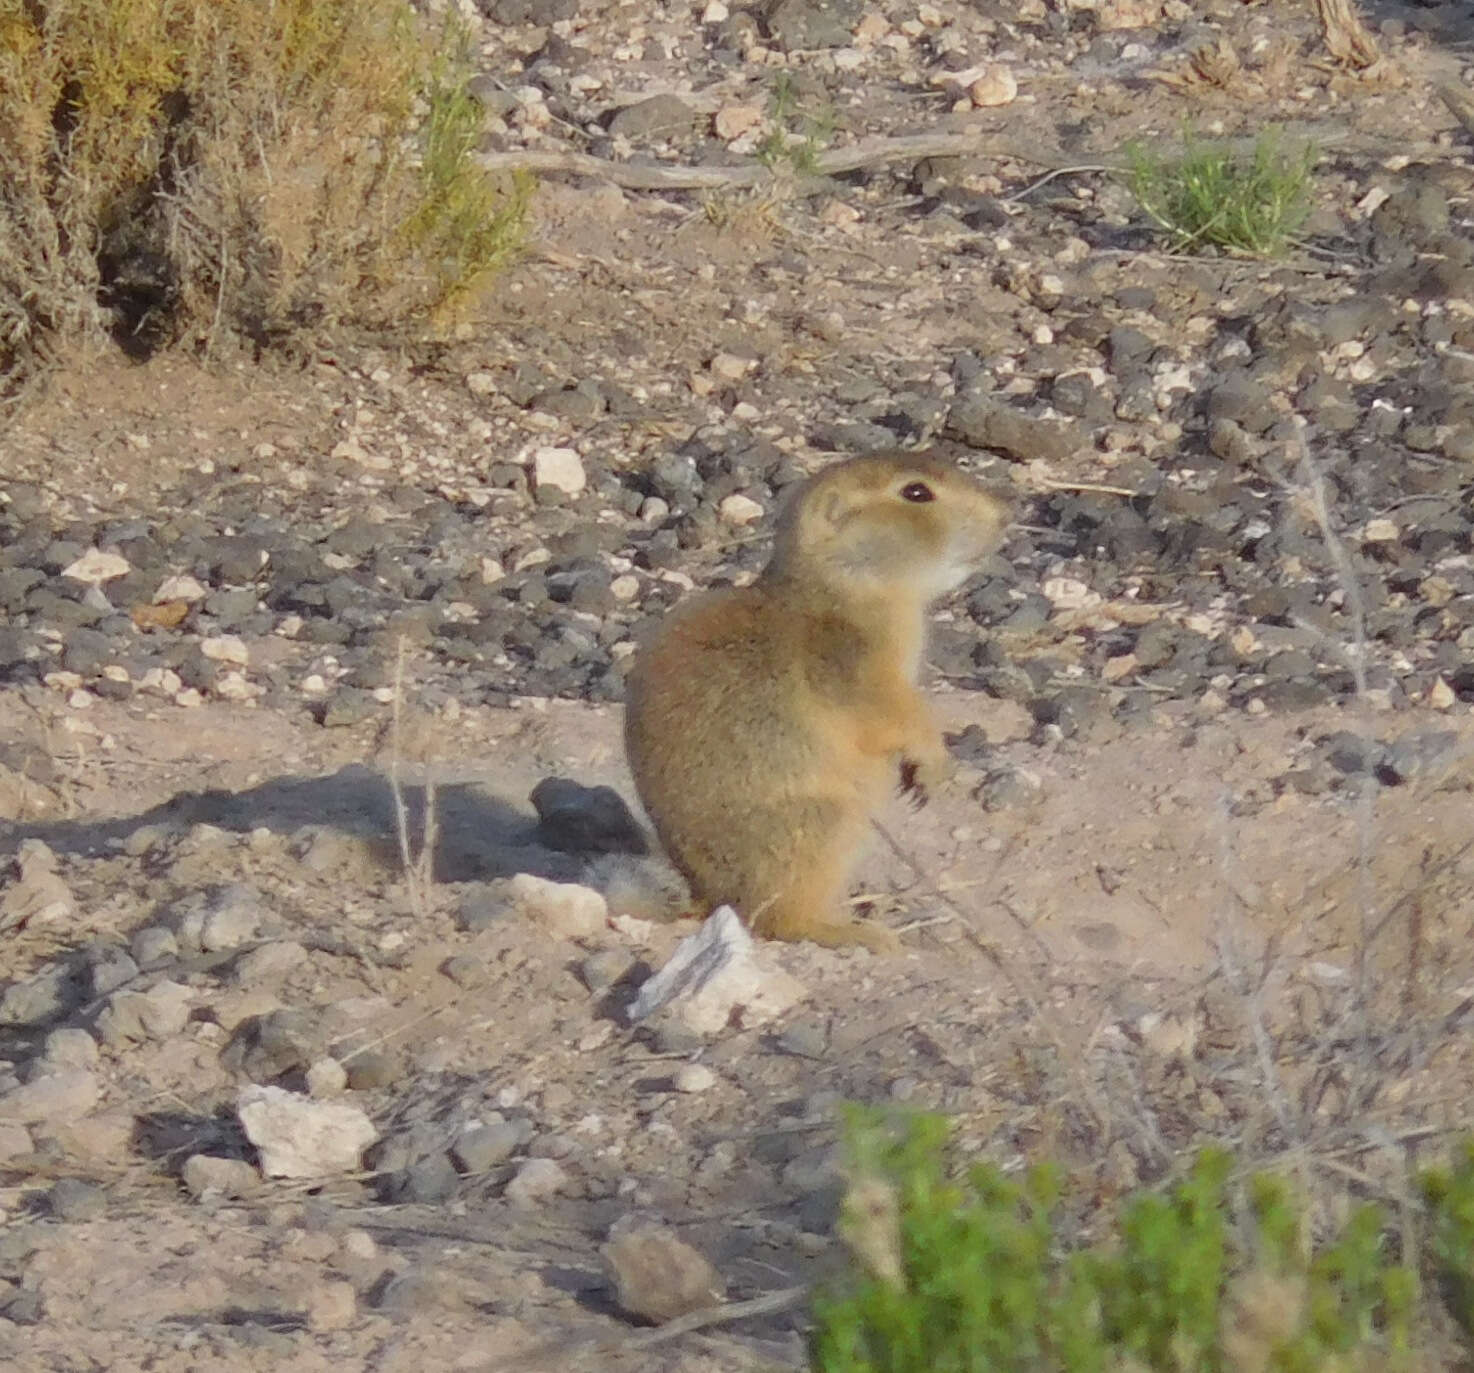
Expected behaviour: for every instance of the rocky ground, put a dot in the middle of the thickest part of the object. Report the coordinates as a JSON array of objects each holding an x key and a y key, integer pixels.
[{"x": 1205, "y": 872}]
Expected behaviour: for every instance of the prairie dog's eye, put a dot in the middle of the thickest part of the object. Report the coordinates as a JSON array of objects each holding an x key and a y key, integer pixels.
[{"x": 918, "y": 493}]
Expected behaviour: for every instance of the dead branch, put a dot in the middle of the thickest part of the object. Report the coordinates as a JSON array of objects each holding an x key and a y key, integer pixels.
[{"x": 1347, "y": 38}]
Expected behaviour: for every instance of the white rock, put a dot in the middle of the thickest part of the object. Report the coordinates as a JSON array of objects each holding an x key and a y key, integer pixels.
[
  {"x": 694, "y": 1077},
  {"x": 730, "y": 367},
  {"x": 625, "y": 587},
  {"x": 226, "y": 648},
  {"x": 327, "y": 1078},
  {"x": 565, "y": 909},
  {"x": 537, "y": 1180},
  {"x": 301, "y": 1138},
  {"x": 739, "y": 509},
  {"x": 179, "y": 588},
  {"x": 55, "y": 1097},
  {"x": 233, "y": 686},
  {"x": 561, "y": 468},
  {"x": 715, "y": 12},
  {"x": 95, "y": 566},
  {"x": 715, "y": 975},
  {"x": 481, "y": 383}
]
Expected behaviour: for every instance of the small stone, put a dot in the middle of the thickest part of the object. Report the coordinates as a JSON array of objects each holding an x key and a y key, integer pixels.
[
  {"x": 37, "y": 896},
  {"x": 96, "y": 567},
  {"x": 657, "y": 117},
  {"x": 111, "y": 967},
  {"x": 1425, "y": 755},
  {"x": 301, "y": 1138},
  {"x": 179, "y": 588},
  {"x": 225, "y": 648},
  {"x": 484, "y": 1144},
  {"x": 565, "y": 909},
  {"x": 997, "y": 85},
  {"x": 224, "y": 918},
  {"x": 739, "y": 510},
  {"x": 804, "y": 1040},
  {"x": 1167, "y": 1036},
  {"x": 153, "y": 946},
  {"x": 73, "y": 1199},
  {"x": 732, "y": 121},
  {"x": 657, "y": 1276},
  {"x": 70, "y": 1047},
  {"x": 370, "y": 1068},
  {"x": 538, "y": 1180},
  {"x": 427, "y": 1180},
  {"x": 205, "y": 1176},
  {"x": 326, "y": 1079},
  {"x": 53, "y": 1098},
  {"x": 44, "y": 997},
  {"x": 574, "y": 818},
  {"x": 331, "y": 1305},
  {"x": 481, "y": 383},
  {"x": 268, "y": 962},
  {"x": 716, "y": 974},
  {"x": 482, "y": 906},
  {"x": 693, "y": 1078},
  {"x": 602, "y": 969},
  {"x": 560, "y": 468},
  {"x": 15, "y": 1140}
]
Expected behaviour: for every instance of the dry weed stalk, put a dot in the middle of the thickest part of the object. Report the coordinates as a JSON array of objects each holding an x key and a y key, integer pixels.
[
  {"x": 418, "y": 863},
  {"x": 1071, "y": 1045}
]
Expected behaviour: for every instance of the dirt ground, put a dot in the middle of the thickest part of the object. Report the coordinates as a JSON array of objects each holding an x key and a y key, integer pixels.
[{"x": 1162, "y": 937}]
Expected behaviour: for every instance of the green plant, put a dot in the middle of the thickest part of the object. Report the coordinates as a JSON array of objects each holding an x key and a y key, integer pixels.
[
  {"x": 971, "y": 1274},
  {"x": 183, "y": 170},
  {"x": 795, "y": 140},
  {"x": 1249, "y": 203},
  {"x": 1449, "y": 1192}
]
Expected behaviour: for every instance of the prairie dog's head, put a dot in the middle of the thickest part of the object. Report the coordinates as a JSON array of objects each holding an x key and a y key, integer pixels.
[{"x": 905, "y": 523}]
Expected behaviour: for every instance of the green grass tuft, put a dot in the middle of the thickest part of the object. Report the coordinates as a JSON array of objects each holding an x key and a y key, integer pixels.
[
  {"x": 1250, "y": 203},
  {"x": 977, "y": 1273}
]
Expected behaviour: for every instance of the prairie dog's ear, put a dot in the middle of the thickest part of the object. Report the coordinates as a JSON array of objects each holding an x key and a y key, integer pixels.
[{"x": 829, "y": 508}]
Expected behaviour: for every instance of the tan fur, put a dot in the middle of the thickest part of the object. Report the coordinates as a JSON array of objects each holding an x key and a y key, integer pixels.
[{"x": 765, "y": 725}]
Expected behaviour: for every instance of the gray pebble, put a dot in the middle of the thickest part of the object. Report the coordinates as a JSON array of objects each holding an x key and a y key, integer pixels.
[
  {"x": 804, "y": 1040},
  {"x": 153, "y": 946},
  {"x": 73, "y": 1199},
  {"x": 485, "y": 1144}
]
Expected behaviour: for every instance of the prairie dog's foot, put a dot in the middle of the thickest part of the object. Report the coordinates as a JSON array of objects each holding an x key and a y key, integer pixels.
[{"x": 922, "y": 776}]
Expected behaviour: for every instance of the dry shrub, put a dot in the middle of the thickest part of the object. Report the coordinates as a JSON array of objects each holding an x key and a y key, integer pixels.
[{"x": 188, "y": 170}]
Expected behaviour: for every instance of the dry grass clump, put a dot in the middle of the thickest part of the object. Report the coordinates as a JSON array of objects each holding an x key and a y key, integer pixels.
[{"x": 188, "y": 170}]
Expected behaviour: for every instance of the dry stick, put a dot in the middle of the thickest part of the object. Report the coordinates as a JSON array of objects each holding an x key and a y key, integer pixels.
[
  {"x": 867, "y": 152},
  {"x": 419, "y": 870},
  {"x": 1070, "y": 1048},
  {"x": 1250, "y": 989},
  {"x": 1351, "y": 589},
  {"x": 770, "y": 1302}
]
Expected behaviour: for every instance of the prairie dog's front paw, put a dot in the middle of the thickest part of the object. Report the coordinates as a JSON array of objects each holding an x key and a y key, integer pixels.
[{"x": 922, "y": 776}]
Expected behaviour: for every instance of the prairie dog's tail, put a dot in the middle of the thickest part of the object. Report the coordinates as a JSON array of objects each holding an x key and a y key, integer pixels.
[{"x": 644, "y": 886}]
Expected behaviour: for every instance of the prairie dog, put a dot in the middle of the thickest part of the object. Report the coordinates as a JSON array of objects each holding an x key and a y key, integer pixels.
[{"x": 765, "y": 725}]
